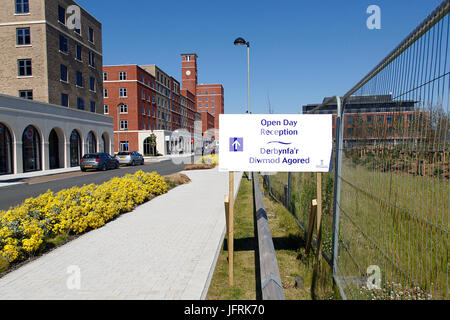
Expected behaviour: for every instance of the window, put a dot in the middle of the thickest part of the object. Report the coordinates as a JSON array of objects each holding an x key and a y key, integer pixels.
[
  {"x": 26, "y": 94},
  {"x": 349, "y": 120},
  {"x": 91, "y": 59},
  {"x": 91, "y": 34},
  {"x": 63, "y": 72},
  {"x": 61, "y": 15},
  {"x": 64, "y": 100},
  {"x": 23, "y": 36},
  {"x": 123, "y": 92},
  {"x": 389, "y": 119},
  {"x": 92, "y": 106},
  {"x": 78, "y": 52},
  {"x": 79, "y": 79},
  {"x": 63, "y": 44},
  {"x": 143, "y": 125},
  {"x": 24, "y": 66},
  {"x": 123, "y": 108},
  {"x": 105, "y": 93},
  {"x": 122, "y": 75},
  {"x": 123, "y": 124},
  {"x": 143, "y": 95},
  {"x": 22, "y": 6},
  {"x": 188, "y": 58},
  {"x": 92, "y": 84},
  {"x": 124, "y": 145},
  {"x": 105, "y": 109},
  {"x": 143, "y": 110},
  {"x": 105, "y": 76},
  {"x": 80, "y": 103}
]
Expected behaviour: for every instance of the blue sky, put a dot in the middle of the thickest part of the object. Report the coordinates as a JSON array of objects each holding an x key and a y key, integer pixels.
[{"x": 301, "y": 51}]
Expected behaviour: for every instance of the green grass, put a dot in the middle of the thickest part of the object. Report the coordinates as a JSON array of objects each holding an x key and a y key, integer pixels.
[
  {"x": 397, "y": 212},
  {"x": 396, "y": 220},
  {"x": 289, "y": 246}
]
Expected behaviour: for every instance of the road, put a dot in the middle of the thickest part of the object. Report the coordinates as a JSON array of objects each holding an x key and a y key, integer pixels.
[{"x": 15, "y": 195}]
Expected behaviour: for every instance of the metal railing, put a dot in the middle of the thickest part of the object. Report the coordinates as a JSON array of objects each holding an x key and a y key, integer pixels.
[{"x": 386, "y": 203}]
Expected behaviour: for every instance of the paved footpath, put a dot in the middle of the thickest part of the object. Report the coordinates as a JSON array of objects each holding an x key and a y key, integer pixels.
[{"x": 165, "y": 249}]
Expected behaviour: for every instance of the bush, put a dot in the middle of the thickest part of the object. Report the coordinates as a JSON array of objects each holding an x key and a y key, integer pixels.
[{"x": 72, "y": 211}]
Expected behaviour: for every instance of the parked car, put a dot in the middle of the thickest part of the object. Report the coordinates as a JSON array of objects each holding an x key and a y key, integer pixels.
[
  {"x": 98, "y": 161},
  {"x": 131, "y": 158}
]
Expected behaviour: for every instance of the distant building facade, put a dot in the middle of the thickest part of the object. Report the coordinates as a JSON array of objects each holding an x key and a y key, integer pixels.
[
  {"x": 144, "y": 100},
  {"x": 209, "y": 97},
  {"x": 373, "y": 118}
]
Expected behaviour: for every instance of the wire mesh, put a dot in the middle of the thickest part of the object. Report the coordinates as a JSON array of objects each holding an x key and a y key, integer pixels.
[{"x": 395, "y": 175}]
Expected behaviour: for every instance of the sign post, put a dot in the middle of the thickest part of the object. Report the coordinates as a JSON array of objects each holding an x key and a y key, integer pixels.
[{"x": 231, "y": 229}]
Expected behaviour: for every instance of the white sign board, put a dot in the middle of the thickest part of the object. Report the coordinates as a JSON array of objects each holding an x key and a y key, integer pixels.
[{"x": 275, "y": 143}]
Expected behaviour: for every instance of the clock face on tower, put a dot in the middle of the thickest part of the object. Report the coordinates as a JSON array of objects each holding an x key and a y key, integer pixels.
[{"x": 188, "y": 73}]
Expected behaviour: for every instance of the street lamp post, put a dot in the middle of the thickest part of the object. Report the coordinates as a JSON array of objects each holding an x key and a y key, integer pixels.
[
  {"x": 118, "y": 125},
  {"x": 241, "y": 42}
]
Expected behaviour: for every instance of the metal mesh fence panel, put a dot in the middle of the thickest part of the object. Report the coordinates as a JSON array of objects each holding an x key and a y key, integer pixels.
[{"x": 394, "y": 201}]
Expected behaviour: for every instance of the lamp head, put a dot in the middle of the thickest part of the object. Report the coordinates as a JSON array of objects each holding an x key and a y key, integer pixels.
[{"x": 241, "y": 42}]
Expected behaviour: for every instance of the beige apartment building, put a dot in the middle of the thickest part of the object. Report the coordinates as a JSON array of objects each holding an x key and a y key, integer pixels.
[{"x": 44, "y": 56}]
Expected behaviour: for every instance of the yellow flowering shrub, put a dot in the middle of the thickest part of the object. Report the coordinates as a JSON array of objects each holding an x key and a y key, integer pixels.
[
  {"x": 24, "y": 228},
  {"x": 212, "y": 159}
]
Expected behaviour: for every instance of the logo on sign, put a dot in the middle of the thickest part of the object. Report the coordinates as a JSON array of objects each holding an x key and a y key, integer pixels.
[{"x": 236, "y": 144}]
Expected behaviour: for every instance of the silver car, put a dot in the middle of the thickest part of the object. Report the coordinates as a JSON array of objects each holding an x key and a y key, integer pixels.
[{"x": 131, "y": 158}]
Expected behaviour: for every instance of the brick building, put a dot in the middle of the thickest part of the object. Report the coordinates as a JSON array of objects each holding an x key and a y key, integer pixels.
[
  {"x": 152, "y": 102},
  {"x": 134, "y": 87},
  {"x": 45, "y": 59},
  {"x": 209, "y": 97},
  {"x": 373, "y": 118}
]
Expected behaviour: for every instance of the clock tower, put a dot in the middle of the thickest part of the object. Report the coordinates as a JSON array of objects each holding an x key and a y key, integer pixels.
[{"x": 189, "y": 72}]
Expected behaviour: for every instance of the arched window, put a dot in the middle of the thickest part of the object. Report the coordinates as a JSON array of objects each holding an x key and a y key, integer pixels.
[
  {"x": 105, "y": 143},
  {"x": 31, "y": 150},
  {"x": 53, "y": 150},
  {"x": 6, "y": 151},
  {"x": 75, "y": 149},
  {"x": 91, "y": 143}
]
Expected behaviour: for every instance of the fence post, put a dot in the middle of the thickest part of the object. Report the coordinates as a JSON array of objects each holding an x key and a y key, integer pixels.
[
  {"x": 312, "y": 217},
  {"x": 337, "y": 182}
]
